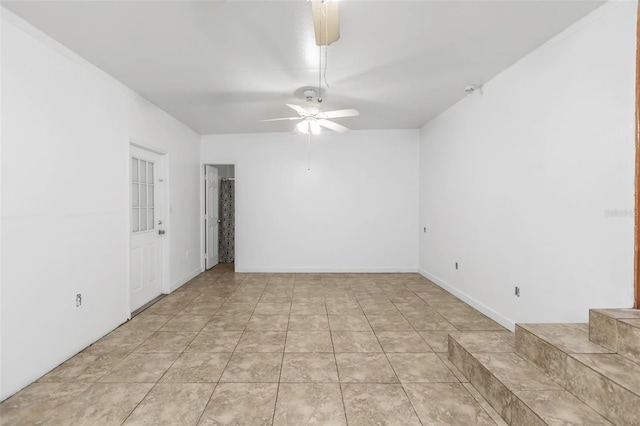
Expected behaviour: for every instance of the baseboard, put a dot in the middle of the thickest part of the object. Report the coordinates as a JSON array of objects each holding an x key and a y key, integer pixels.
[
  {"x": 503, "y": 321},
  {"x": 350, "y": 270},
  {"x": 182, "y": 281}
]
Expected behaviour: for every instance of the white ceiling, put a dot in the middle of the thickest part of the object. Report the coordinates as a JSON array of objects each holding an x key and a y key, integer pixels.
[{"x": 220, "y": 66}]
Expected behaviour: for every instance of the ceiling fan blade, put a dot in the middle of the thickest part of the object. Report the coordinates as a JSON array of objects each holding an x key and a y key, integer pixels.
[
  {"x": 281, "y": 119},
  {"x": 326, "y": 21},
  {"x": 333, "y": 126},
  {"x": 298, "y": 109},
  {"x": 339, "y": 113}
]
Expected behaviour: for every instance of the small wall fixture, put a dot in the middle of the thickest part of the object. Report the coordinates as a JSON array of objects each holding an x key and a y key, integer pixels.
[{"x": 472, "y": 88}]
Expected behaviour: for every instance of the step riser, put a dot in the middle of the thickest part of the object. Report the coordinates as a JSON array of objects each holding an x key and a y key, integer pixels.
[
  {"x": 603, "y": 330},
  {"x": 614, "y": 402},
  {"x": 543, "y": 355},
  {"x": 521, "y": 414},
  {"x": 629, "y": 341},
  {"x": 617, "y": 330},
  {"x": 498, "y": 396}
]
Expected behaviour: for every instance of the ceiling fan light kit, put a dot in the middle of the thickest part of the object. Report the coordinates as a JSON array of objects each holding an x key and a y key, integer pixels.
[{"x": 326, "y": 23}]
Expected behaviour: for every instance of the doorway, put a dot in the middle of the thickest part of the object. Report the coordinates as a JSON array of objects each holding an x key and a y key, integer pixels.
[
  {"x": 219, "y": 214},
  {"x": 147, "y": 227}
]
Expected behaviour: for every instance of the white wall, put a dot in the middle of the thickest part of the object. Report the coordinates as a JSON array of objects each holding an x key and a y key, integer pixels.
[
  {"x": 355, "y": 210},
  {"x": 515, "y": 182},
  {"x": 65, "y": 201}
]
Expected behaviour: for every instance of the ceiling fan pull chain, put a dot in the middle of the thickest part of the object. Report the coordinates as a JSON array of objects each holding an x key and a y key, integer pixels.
[
  {"x": 320, "y": 69},
  {"x": 309, "y": 151},
  {"x": 326, "y": 50}
]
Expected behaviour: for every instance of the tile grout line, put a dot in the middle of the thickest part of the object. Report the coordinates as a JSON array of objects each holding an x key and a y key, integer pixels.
[{"x": 286, "y": 336}]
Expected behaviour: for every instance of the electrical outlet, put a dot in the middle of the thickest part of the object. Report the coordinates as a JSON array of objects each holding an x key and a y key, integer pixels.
[
  {"x": 78, "y": 300},
  {"x": 456, "y": 265},
  {"x": 517, "y": 291},
  {"x": 425, "y": 229}
]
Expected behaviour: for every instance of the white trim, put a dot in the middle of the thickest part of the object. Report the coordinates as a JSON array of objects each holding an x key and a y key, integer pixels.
[
  {"x": 182, "y": 281},
  {"x": 349, "y": 270},
  {"x": 503, "y": 321}
]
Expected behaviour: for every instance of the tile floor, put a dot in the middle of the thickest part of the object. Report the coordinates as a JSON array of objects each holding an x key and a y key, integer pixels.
[{"x": 262, "y": 349}]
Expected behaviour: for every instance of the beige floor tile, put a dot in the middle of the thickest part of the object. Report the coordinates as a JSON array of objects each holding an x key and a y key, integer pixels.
[
  {"x": 236, "y": 322},
  {"x": 349, "y": 323},
  {"x": 141, "y": 367},
  {"x": 446, "y": 404},
  {"x": 172, "y": 404},
  {"x": 39, "y": 403},
  {"x": 377, "y": 404},
  {"x": 308, "y": 308},
  {"x": 309, "y": 367},
  {"x": 236, "y": 309},
  {"x": 167, "y": 341},
  {"x": 430, "y": 321},
  {"x": 186, "y": 323},
  {"x": 308, "y": 322},
  {"x": 268, "y": 322},
  {"x": 145, "y": 322},
  {"x": 119, "y": 342},
  {"x": 201, "y": 307},
  {"x": 241, "y": 404},
  {"x": 308, "y": 341},
  {"x": 420, "y": 368},
  {"x": 217, "y": 331},
  {"x": 365, "y": 368},
  {"x": 83, "y": 368},
  {"x": 215, "y": 341},
  {"x": 195, "y": 367},
  {"x": 264, "y": 308},
  {"x": 343, "y": 308},
  {"x": 309, "y": 403},
  {"x": 389, "y": 323},
  {"x": 485, "y": 404},
  {"x": 262, "y": 341},
  {"x": 355, "y": 341},
  {"x": 437, "y": 340},
  {"x": 402, "y": 341},
  {"x": 103, "y": 404},
  {"x": 253, "y": 368}
]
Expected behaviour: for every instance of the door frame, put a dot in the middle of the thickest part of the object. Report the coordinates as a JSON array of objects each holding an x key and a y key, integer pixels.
[
  {"x": 164, "y": 196},
  {"x": 216, "y": 204},
  {"x": 637, "y": 177},
  {"x": 203, "y": 228}
]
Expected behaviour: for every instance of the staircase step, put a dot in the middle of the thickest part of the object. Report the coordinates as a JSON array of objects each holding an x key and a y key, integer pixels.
[
  {"x": 546, "y": 346},
  {"x": 608, "y": 382},
  {"x": 603, "y": 327},
  {"x": 629, "y": 339},
  {"x": 514, "y": 387}
]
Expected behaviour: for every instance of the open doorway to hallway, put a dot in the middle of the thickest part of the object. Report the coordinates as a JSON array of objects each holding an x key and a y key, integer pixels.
[{"x": 219, "y": 215}]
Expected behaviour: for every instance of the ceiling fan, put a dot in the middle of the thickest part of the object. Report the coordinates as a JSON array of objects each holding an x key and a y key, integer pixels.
[{"x": 312, "y": 118}]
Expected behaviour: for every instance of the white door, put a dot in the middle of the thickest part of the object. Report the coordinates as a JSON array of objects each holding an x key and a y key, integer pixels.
[
  {"x": 211, "y": 216},
  {"x": 146, "y": 227}
]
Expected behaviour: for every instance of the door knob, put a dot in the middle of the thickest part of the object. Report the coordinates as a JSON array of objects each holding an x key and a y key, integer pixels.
[{"x": 161, "y": 231}]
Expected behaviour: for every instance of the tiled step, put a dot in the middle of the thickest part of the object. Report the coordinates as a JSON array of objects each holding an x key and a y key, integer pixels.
[
  {"x": 547, "y": 345},
  {"x": 607, "y": 382},
  {"x": 616, "y": 329},
  {"x": 515, "y": 389}
]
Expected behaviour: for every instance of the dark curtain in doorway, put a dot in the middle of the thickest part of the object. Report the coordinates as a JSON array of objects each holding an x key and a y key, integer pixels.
[{"x": 227, "y": 220}]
